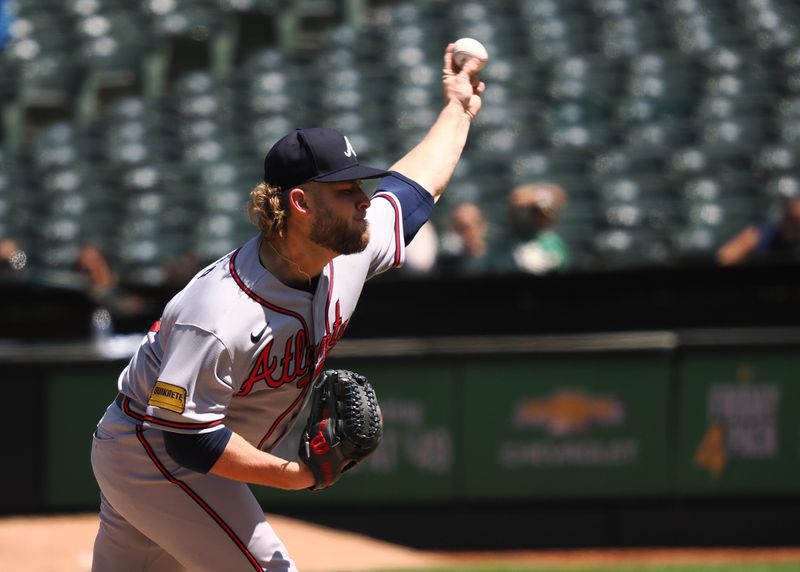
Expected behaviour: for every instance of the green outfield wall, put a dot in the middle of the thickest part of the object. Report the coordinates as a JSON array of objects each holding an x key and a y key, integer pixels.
[{"x": 596, "y": 417}]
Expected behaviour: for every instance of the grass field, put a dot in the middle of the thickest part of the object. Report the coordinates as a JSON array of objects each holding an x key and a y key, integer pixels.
[{"x": 744, "y": 567}]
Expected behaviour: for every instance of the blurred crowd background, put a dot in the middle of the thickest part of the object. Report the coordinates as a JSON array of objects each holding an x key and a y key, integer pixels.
[{"x": 614, "y": 134}]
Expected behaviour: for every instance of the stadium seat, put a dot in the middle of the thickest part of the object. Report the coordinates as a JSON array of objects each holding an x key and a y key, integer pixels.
[
  {"x": 770, "y": 24},
  {"x": 41, "y": 52},
  {"x": 113, "y": 41},
  {"x": 559, "y": 35},
  {"x": 632, "y": 34},
  {"x": 617, "y": 247},
  {"x": 673, "y": 95},
  {"x": 665, "y": 133},
  {"x": 544, "y": 163},
  {"x": 710, "y": 188},
  {"x": 777, "y": 159},
  {"x": 664, "y": 63},
  {"x": 730, "y": 107},
  {"x": 590, "y": 136},
  {"x": 701, "y": 26},
  {"x": 691, "y": 161},
  {"x": 751, "y": 131},
  {"x": 630, "y": 160},
  {"x": 657, "y": 212},
  {"x": 634, "y": 188},
  {"x": 580, "y": 211},
  {"x": 699, "y": 242},
  {"x": 736, "y": 211},
  {"x": 782, "y": 186},
  {"x": 738, "y": 85},
  {"x": 789, "y": 130},
  {"x": 739, "y": 60}
]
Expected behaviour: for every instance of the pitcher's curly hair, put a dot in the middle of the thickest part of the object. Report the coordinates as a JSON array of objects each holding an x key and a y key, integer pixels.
[{"x": 267, "y": 210}]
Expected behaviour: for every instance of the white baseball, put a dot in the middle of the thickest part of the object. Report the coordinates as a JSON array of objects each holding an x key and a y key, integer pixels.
[{"x": 466, "y": 48}]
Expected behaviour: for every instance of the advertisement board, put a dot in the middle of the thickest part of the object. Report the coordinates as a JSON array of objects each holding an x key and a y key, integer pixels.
[
  {"x": 738, "y": 425},
  {"x": 567, "y": 426}
]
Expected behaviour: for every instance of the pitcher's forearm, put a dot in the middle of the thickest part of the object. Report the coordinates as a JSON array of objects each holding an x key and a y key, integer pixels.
[
  {"x": 432, "y": 162},
  {"x": 240, "y": 461}
]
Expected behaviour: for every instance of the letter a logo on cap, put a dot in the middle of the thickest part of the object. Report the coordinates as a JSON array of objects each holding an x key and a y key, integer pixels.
[{"x": 349, "y": 152}]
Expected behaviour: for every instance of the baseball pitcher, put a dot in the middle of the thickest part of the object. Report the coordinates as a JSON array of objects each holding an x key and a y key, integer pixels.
[{"x": 237, "y": 353}]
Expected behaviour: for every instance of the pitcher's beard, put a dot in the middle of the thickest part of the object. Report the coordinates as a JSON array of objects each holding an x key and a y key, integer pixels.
[{"x": 338, "y": 234}]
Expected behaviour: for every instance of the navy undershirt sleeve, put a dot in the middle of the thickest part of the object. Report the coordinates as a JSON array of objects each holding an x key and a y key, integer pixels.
[
  {"x": 767, "y": 233},
  {"x": 197, "y": 451},
  {"x": 415, "y": 202}
]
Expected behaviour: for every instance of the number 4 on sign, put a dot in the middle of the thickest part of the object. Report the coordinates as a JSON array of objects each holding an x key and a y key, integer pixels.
[{"x": 710, "y": 452}]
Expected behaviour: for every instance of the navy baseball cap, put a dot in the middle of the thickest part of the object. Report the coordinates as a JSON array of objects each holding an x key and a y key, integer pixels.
[{"x": 314, "y": 154}]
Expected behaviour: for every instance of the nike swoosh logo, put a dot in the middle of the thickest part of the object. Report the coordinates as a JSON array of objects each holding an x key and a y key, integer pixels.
[{"x": 255, "y": 338}]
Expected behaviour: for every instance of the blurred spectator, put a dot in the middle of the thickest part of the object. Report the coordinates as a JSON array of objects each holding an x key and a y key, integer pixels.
[
  {"x": 92, "y": 262},
  {"x": 781, "y": 238},
  {"x": 12, "y": 257},
  {"x": 5, "y": 22},
  {"x": 103, "y": 287},
  {"x": 465, "y": 248},
  {"x": 533, "y": 210},
  {"x": 181, "y": 269},
  {"x": 421, "y": 251}
]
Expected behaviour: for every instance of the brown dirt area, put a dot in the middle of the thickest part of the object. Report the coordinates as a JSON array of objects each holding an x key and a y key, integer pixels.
[{"x": 64, "y": 544}]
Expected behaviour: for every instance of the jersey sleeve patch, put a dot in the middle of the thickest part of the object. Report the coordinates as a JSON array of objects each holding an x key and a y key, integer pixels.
[{"x": 168, "y": 396}]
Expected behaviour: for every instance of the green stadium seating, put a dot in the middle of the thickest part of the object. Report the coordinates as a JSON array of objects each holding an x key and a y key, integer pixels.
[{"x": 670, "y": 123}]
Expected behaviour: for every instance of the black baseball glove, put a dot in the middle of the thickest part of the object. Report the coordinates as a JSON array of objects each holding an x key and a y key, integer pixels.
[{"x": 344, "y": 426}]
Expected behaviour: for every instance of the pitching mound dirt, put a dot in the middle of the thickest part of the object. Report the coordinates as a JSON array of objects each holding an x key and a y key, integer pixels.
[{"x": 64, "y": 544}]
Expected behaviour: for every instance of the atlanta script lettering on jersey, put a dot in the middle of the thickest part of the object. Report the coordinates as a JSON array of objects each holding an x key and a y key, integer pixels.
[{"x": 298, "y": 355}]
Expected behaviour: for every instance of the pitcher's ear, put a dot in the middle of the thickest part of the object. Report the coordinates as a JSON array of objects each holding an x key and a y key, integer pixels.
[{"x": 299, "y": 201}]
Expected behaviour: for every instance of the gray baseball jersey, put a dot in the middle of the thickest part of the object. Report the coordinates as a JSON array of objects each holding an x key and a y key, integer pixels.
[
  {"x": 235, "y": 348},
  {"x": 239, "y": 347}
]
